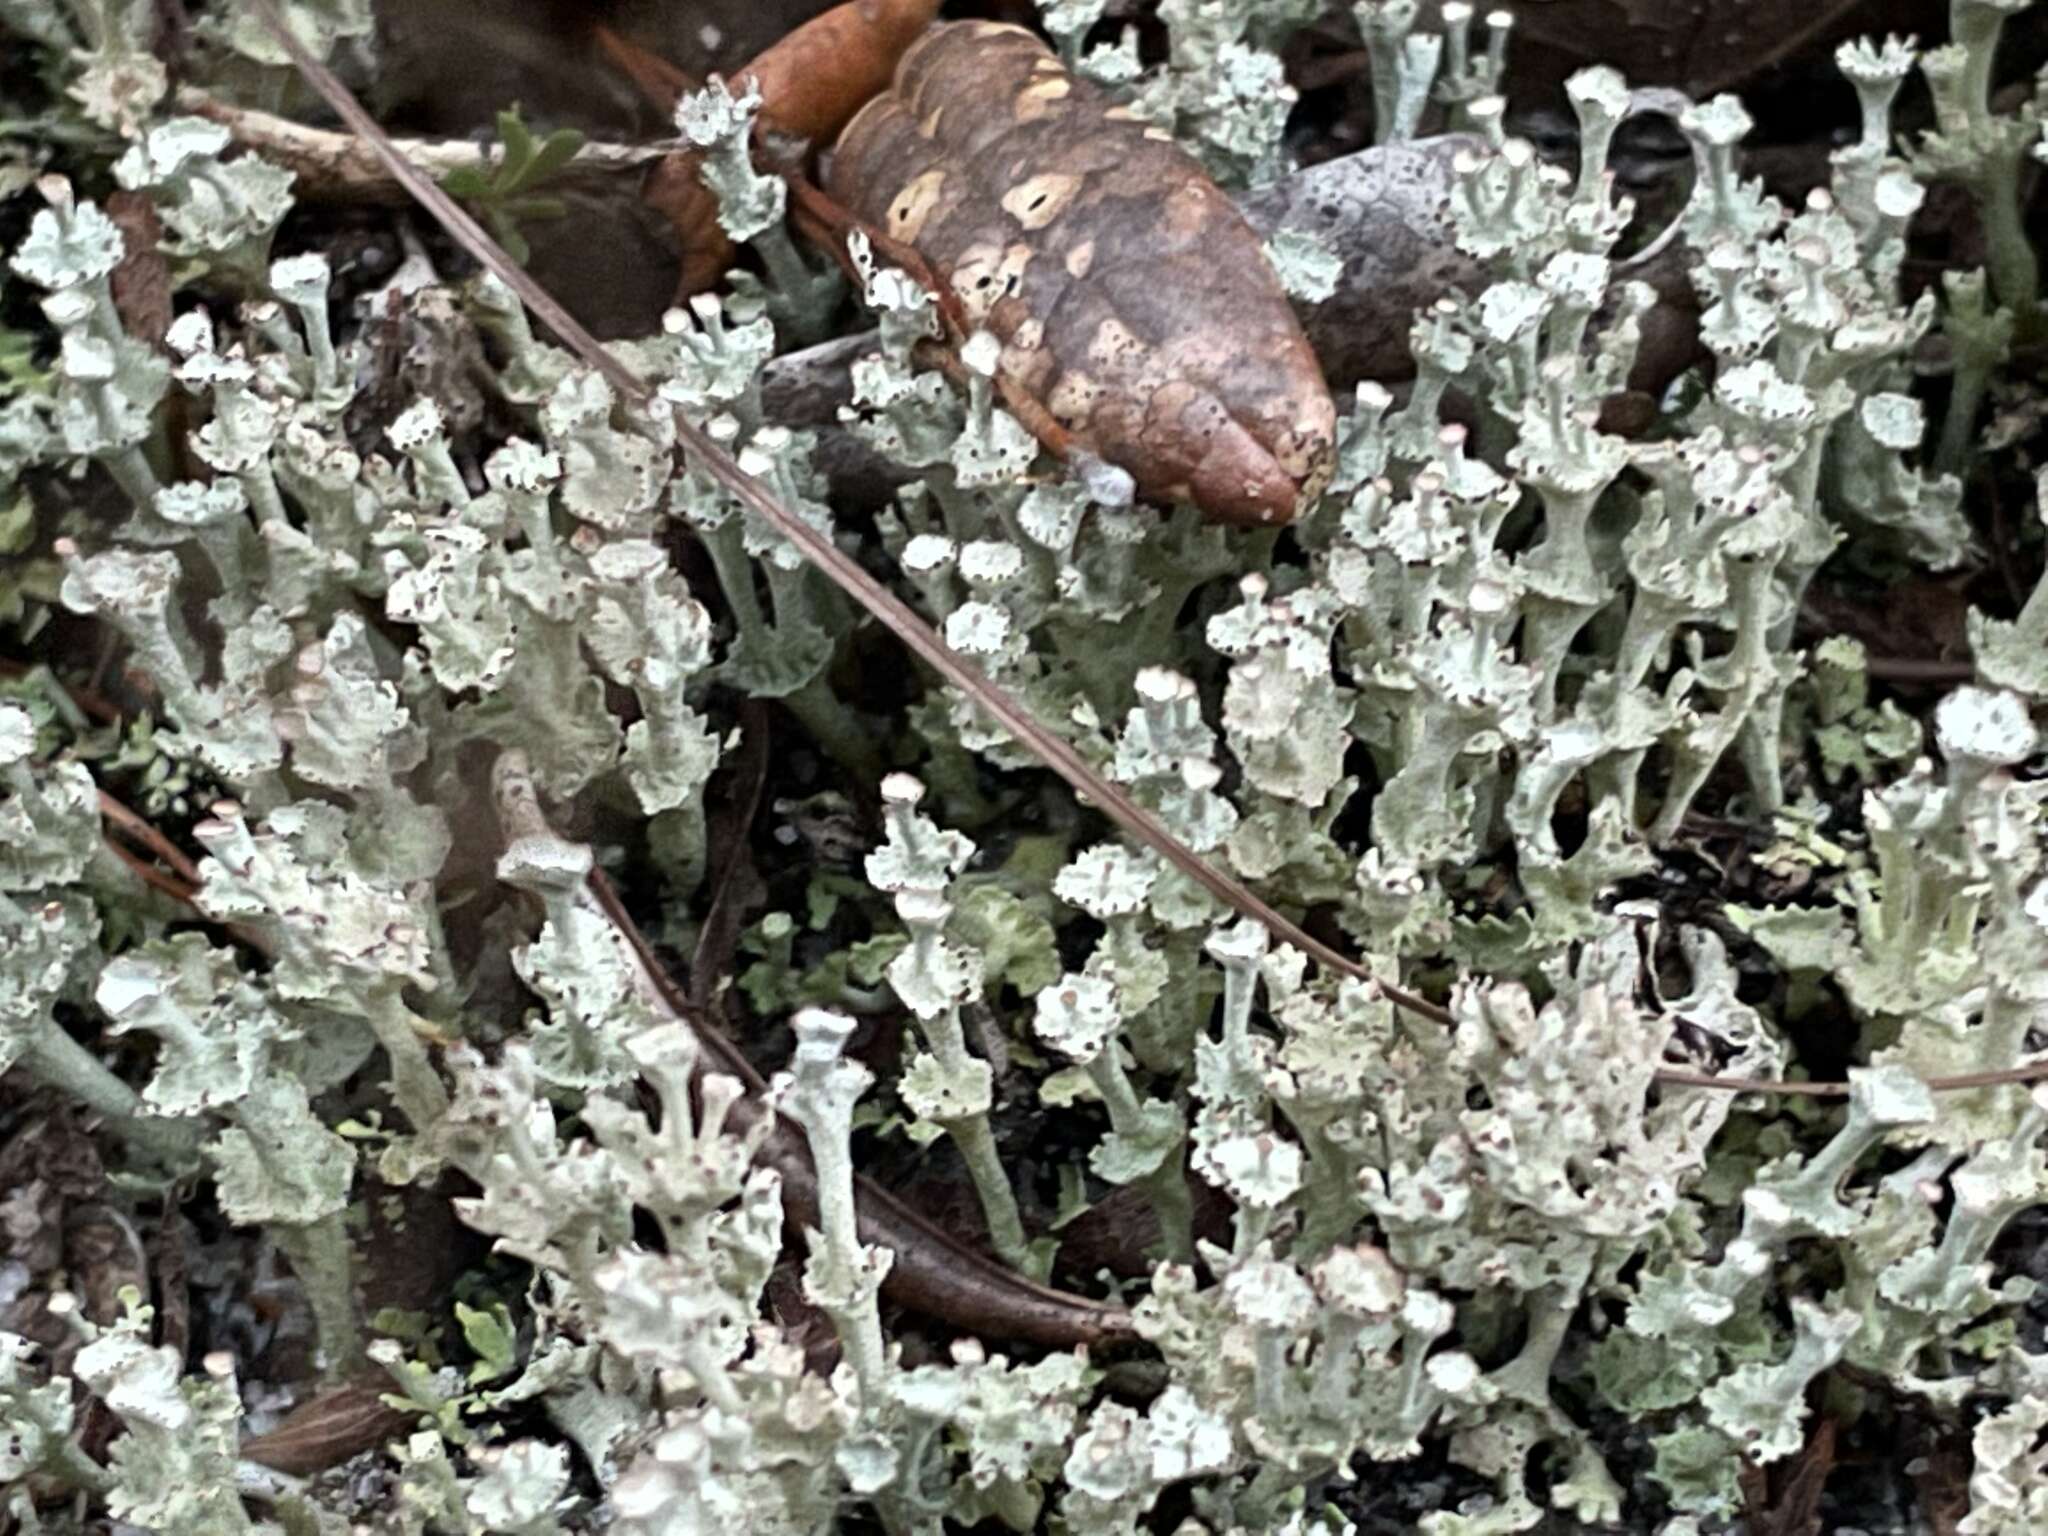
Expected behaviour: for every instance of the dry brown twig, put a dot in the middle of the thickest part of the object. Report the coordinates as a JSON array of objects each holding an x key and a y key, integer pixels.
[
  {"x": 144, "y": 833},
  {"x": 340, "y": 167},
  {"x": 896, "y": 616},
  {"x": 330, "y": 1427},
  {"x": 1916, "y": 669},
  {"x": 150, "y": 875}
]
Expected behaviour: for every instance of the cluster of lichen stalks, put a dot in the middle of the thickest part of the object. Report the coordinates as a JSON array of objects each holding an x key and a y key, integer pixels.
[{"x": 1550, "y": 643}]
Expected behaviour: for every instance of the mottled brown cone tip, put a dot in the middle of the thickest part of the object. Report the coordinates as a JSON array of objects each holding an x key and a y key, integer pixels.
[{"x": 1128, "y": 292}]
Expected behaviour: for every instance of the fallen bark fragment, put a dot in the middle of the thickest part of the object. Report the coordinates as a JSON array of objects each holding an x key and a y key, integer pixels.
[{"x": 1386, "y": 214}]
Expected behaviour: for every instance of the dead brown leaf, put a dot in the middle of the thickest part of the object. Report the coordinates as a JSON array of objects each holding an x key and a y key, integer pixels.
[
  {"x": 816, "y": 78},
  {"x": 1129, "y": 293},
  {"x": 811, "y": 81}
]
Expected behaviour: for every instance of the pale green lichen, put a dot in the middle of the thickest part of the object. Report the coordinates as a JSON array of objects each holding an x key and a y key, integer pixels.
[{"x": 1466, "y": 711}]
